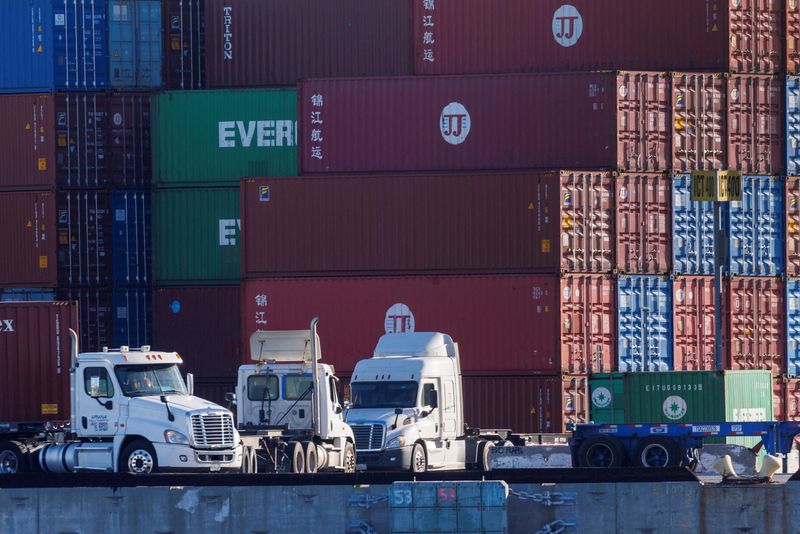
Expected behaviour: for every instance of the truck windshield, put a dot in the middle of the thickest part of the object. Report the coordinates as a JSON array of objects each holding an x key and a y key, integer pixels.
[
  {"x": 144, "y": 380},
  {"x": 384, "y": 394}
]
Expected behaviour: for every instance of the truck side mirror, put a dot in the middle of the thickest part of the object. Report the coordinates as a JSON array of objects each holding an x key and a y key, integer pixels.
[
  {"x": 190, "y": 383},
  {"x": 230, "y": 398},
  {"x": 434, "y": 399}
]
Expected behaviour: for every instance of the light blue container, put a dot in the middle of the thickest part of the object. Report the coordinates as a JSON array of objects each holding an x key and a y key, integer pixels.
[
  {"x": 131, "y": 242},
  {"x": 793, "y": 125},
  {"x": 135, "y": 43},
  {"x": 793, "y": 327},
  {"x": 644, "y": 323},
  {"x": 26, "y": 294},
  {"x": 692, "y": 230}
]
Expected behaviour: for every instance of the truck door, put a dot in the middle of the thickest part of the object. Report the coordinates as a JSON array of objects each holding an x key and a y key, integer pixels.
[
  {"x": 430, "y": 427},
  {"x": 98, "y": 402}
]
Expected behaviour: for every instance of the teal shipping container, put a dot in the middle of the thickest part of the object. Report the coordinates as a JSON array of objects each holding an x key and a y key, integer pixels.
[{"x": 135, "y": 48}]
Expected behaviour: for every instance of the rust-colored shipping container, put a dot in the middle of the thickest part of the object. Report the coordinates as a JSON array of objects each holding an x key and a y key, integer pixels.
[
  {"x": 28, "y": 239},
  {"x": 644, "y": 223},
  {"x": 792, "y": 36},
  {"x": 255, "y": 43},
  {"x": 85, "y": 236},
  {"x": 791, "y": 399},
  {"x": 780, "y": 388},
  {"x": 755, "y": 124},
  {"x": 755, "y": 322},
  {"x": 598, "y": 120},
  {"x": 203, "y": 325},
  {"x": 214, "y": 390},
  {"x": 502, "y": 323},
  {"x": 183, "y": 43},
  {"x": 693, "y": 323},
  {"x": 475, "y": 36},
  {"x": 699, "y": 121},
  {"x": 35, "y": 360},
  {"x": 793, "y": 226},
  {"x": 500, "y": 222}
]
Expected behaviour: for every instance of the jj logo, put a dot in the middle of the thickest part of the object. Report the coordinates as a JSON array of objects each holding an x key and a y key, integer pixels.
[
  {"x": 454, "y": 123},
  {"x": 567, "y": 25}
]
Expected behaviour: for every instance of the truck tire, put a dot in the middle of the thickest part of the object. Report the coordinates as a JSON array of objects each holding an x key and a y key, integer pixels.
[
  {"x": 298, "y": 457},
  {"x": 349, "y": 458},
  {"x": 13, "y": 458},
  {"x": 657, "y": 451},
  {"x": 312, "y": 465},
  {"x": 419, "y": 460},
  {"x": 601, "y": 451},
  {"x": 484, "y": 450},
  {"x": 138, "y": 458}
]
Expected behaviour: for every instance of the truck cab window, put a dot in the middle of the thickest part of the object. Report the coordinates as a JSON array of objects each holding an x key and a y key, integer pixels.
[
  {"x": 426, "y": 394},
  {"x": 297, "y": 387},
  {"x": 262, "y": 387},
  {"x": 97, "y": 382}
]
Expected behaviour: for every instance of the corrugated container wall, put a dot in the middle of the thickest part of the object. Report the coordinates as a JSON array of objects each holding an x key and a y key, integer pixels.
[
  {"x": 643, "y": 223},
  {"x": 587, "y": 323},
  {"x": 474, "y": 36},
  {"x": 95, "y": 309},
  {"x": 28, "y": 239},
  {"x": 755, "y": 321},
  {"x": 256, "y": 43},
  {"x": 184, "y": 43},
  {"x": 217, "y": 137},
  {"x": 582, "y": 121},
  {"x": 644, "y": 323},
  {"x": 196, "y": 236},
  {"x": 792, "y": 36},
  {"x": 135, "y": 43},
  {"x": 693, "y": 323},
  {"x": 203, "y": 325},
  {"x": 491, "y": 222},
  {"x": 793, "y": 327},
  {"x": 215, "y": 390},
  {"x": 699, "y": 122},
  {"x": 791, "y": 400},
  {"x": 755, "y": 124},
  {"x": 692, "y": 230},
  {"x": 792, "y": 124},
  {"x": 793, "y": 226},
  {"x": 34, "y": 368},
  {"x": 84, "y": 238},
  {"x": 132, "y": 240}
]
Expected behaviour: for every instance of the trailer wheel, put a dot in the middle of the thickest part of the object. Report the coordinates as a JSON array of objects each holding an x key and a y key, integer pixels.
[
  {"x": 298, "y": 457},
  {"x": 600, "y": 451},
  {"x": 484, "y": 450},
  {"x": 349, "y": 461},
  {"x": 13, "y": 458},
  {"x": 312, "y": 465},
  {"x": 139, "y": 458},
  {"x": 419, "y": 460},
  {"x": 657, "y": 451}
]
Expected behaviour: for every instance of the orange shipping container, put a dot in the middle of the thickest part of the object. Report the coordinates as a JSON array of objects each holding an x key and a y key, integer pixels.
[
  {"x": 644, "y": 223},
  {"x": 693, "y": 323}
]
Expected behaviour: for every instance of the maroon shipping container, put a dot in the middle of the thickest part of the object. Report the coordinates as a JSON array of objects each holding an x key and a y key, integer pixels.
[
  {"x": 644, "y": 223},
  {"x": 502, "y": 323},
  {"x": 779, "y": 404},
  {"x": 793, "y": 226},
  {"x": 27, "y": 141},
  {"x": 693, "y": 323},
  {"x": 203, "y": 325},
  {"x": 755, "y": 320},
  {"x": 256, "y": 43},
  {"x": 84, "y": 238},
  {"x": 699, "y": 121},
  {"x": 475, "y": 36},
  {"x": 28, "y": 239},
  {"x": 792, "y": 37},
  {"x": 755, "y": 124},
  {"x": 596, "y": 120},
  {"x": 35, "y": 360},
  {"x": 184, "y": 43},
  {"x": 96, "y": 315},
  {"x": 530, "y": 221},
  {"x": 215, "y": 390}
]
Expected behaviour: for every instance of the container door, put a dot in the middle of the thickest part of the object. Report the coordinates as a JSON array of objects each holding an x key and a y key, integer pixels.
[
  {"x": 98, "y": 401},
  {"x": 793, "y": 125},
  {"x": 793, "y": 327},
  {"x": 692, "y": 231}
]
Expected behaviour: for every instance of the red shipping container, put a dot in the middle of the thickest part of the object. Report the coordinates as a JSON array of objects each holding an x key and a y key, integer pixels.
[
  {"x": 644, "y": 223},
  {"x": 699, "y": 121},
  {"x": 755, "y": 319},
  {"x": 84, "y": 238},
  {"x": 28, "y": 239},
  {"x": 693, "y": 323},
  {"x": 502, "y": 323},
  {"x": 96, "y": 315},
  {"x": 792, "y": 37},
  {"x": 793, "y": 226},
  {"x": 35, "y": 360},
  {"x": 183, "y": 43},
  {"x": 215, "y": 390},
  {"x": 530, "y": 221},
  {"x": 755, "y": 124},
  {"x": 596, "y": 120},
  {"x": 256, "y": 43},
  {"x": 475, "y": 36},
  {"x": 203, "y": 325},
  {"x": 779, "y": 405}
]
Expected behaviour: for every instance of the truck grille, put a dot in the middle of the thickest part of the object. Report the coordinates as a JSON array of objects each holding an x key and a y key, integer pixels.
[
  {"x": 212, "y": 430},
  {"x": 368, "y": 437}
]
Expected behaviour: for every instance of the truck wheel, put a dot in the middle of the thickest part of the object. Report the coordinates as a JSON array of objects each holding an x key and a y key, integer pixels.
[
  {"x": 247, "y": 460},
  {"x": 657, "y": 451},
  {"x": 298, "y": 457},
  {"x": 13, "y": 458},
  {"x": 312, "y": 466},
  {"x": 419, "y": 460},
  {"x": 600, "y": 451},
  {"x": 349, "y": 461},
  {"x": 484, "y": 450},
  {"x": 138, "y": 458}
]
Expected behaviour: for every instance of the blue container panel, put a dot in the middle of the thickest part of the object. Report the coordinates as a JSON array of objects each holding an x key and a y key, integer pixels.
[
  {"x": 644, "y": 323},
  {"x": 131, "y": 245},
  {"x": 793, "y": 125},
  {"x": 135, "y": 36},
  {"x": 756, "y": 228},
  {"x": 692, "y": 230},
  {"x": 793, "y": 327},
  {"x": 26, "y": 294},
  {"x": 132, "y": 316},
  {"x": 80, "y": 38},
  {"x": 26, "y": 46}
]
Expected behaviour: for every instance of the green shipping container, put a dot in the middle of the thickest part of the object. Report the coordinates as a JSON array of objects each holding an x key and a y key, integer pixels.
[
  {"x": 214, "y": 138},
  {"x": 196, "y": 235}
]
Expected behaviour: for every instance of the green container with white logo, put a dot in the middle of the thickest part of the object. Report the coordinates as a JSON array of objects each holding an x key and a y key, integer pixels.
[{"x": 214, "y": 138}]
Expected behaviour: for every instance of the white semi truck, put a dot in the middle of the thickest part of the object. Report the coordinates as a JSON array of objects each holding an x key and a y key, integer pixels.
[
  {"x": 287, "y": 409},
  {"x": 130, "y": 412}
]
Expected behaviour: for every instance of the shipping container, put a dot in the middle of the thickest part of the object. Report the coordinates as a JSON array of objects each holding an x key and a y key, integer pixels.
[
  {"x": 694, "y": 323},
  {"x": 755, "y": 322},
  {"x": 692, "y": 230},
  {"x": 130, "y": 151},
  {"x": 644, "y": 323},
  {"x": 217, "y": 137},
  {"x": 699, "y": 122},
  {"x": 792, "y": 124},
  {"x": 474, "y": 36},
  {"x": 131, "y": 239},
  {"x": 755, "y": 228},
  {"x": 84, "y": 238},
  {"x": 779, "y": 405},
  {"x": 215, "y": 390},
  {"x": 793, "y": 327},
  {"x": 643, "y": 217},
  {"x": 54, "y": 45},
  {"x": 792, "y": 226},
  {"x": 132, "y": 316},
  {"x": 203, "y": 325},
  {"x": 135, "y": 43},
  {"x": 34, "y": 368},
  {"x": 183, "y": 43},
  {"x": 27, "y": 294},
  {"x": 791, "y": 400},
  {"x": 196, "y": 236},
  {"x": 256, "y": 43},
  {"x": 597, "y": 120},
  {"x": 503, "y": 323},
  {"x": 792, "y": 36},
  {"x": 528, "y": 221},
  {"x": 95, "y": 314},
  {"x": 28, "y": 239},
  {"x": 755, "y": 124}
]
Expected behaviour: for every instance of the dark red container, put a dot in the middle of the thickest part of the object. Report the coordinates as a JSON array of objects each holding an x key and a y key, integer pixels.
[
  {"x": 203, "y": 325},
  {"x": 693, "y": 323},
  {"x": 183, "y": 43},
  {"x": 793, "y": 226},
  {"x": 28, "y": 239},
  {"x": 214, "y": 390},
  {"x": 84, "y": 238},
  {"x": 27, "y": 142},
  {"x": 569, "y": 121},
  {"x": 779, "y": 404},
  {"x": 699, "y": 121},
  {"x": 644, "y": 223},
  {"x": 792, "y": 37},
  {"x": 256, "y": 43},
  {"x": 755, "y": 124},
  {"x": 35, "y": 360},
  {"x": 531, "y": 221},
  {"x": 96, "y": 314},
  {"x": 475, "y": 36}
]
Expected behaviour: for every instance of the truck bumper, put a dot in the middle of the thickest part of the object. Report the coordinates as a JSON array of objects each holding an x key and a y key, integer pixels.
[
  {"x": 399, "y": 458},
  {"x": 184, "y": 458}
]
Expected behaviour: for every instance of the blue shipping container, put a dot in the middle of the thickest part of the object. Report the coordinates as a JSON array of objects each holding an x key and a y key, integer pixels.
[
  {"x": 644, "y": 323},
  {"x": 756, "y": 228},
  {"x": 135, "y": 43},
  {"x": 793, "y": 125},
  {"x": 132, "y": 316},
  {"x": 131, "y": 242},
  {"x": 26, "y": 294},
  {"x": 793, "y": 327},
  {"x": 692, "y": 230}
]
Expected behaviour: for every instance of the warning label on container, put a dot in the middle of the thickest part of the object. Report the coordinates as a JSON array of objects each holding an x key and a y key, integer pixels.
[{"x": 49, "y": 409}]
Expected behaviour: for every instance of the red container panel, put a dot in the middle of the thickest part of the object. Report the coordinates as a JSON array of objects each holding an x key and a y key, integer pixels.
[
  {"x": 756, "y": 323},
  {"x": 699, "y": 122},
  {"x": 203, "y": 325},
  {"x": 35, "y": 360},
  {"x": 256, "y": 43},
  {"x": 644, "y": 223},
  {"x": 28, "y": 239},
  {"x": 214, "y": 390},
  {"x": 755, "y": 124},
  {"x": 584, "y": 120},
  {"x": 779, "y": 406},
  {"x": 791, "y": 400},
  {"x": 84, "y": 238},
  {"x": 27, "y": 141},
  {"x": 588, "y": 333},
  {"x": 96, "y": 315},
  {"x": 793, "y": 226},
  {"x": 693, "y": 323},
  {"x": 491, "y": 222},
  {"x": 475, "y": 36},
  {"x": 130, "y": 151},
  {"x": 183, "y": 43},
  {"x": 792, "y": 37}
]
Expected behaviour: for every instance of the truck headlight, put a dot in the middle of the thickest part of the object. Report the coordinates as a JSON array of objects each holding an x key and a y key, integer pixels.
[
  {"x": 395, "y": 443},
  {"x": 175, "y": 437}
]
